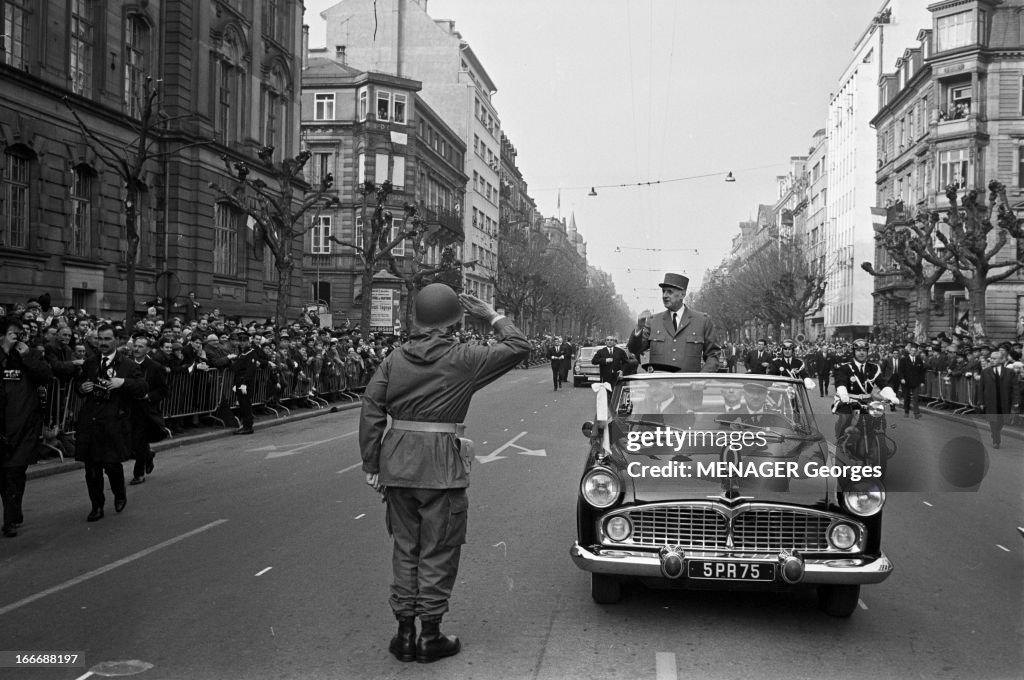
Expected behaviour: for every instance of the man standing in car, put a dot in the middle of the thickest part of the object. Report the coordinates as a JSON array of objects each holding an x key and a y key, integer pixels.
[
  {"x": 422, "y": 463},
  {"x": 680, "y": 338}
]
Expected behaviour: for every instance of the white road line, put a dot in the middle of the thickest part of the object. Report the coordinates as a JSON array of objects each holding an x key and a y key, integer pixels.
[
  {"x": 264, "y": 571},
  {"x": 104, "y": 569},
  {"x": 350, "y": 467},
  {"x": 83, "y": 677},
  {"x": 928, "y": 504},
  {"x": 665, "y": 666},
  {"x": 860, "y": 603},
  {"x": 1002, "y": 548},
  {"x": 361, "y": 516}
]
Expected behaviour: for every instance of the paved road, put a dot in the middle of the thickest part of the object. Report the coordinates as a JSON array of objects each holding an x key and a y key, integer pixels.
[{"x": 266, "y": 557}]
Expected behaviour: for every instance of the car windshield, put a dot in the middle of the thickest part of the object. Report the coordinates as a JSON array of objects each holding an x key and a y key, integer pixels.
[
  {"x": 713, "y": 405},
  {"x": 587, "y": 353}
]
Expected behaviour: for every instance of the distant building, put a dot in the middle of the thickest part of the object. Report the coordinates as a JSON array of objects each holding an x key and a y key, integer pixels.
[
  {"x": 362, "y": 126},
  {"x": 398, "y": 37},
  {"x": 229, "y": 73},
  {"x": 951, "y": 113},
  {"x": 849, "y": 236}
]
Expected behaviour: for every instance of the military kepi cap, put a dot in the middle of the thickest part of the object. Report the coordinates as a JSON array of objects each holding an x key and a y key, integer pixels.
[{"x": 675, "y": 281}]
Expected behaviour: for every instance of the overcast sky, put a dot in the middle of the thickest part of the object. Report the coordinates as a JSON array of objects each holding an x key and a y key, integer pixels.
[{"x": 608, "y": 92}]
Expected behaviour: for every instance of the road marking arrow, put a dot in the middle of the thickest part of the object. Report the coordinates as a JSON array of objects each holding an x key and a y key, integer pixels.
[
  {"x": 274, "y": 453},
  {"x": 511, "y": 443}
]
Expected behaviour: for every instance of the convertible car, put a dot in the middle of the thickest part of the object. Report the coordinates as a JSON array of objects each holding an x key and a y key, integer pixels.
[{"x": 723, "y": 481}]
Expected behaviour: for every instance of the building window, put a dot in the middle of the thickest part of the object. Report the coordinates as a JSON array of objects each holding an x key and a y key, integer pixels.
[
  {"x": 383, "y": 105},
  {"x": 82, "y": 178},
  {"x": 273, "y": 19},
  {"x": 398, "y": 171},
  {"x": 1020, "y": 167},
  {"x": 229, "y": 82},
  {"x": 136, "y": 35},
  {"x": 320, "y": 235},
  {"x": 397, "y": 226},
  {"x": 399, "y": 110},
  {"x": 361, "y": 169},
  {"x": 380, "y": 168},
  {"x": 80, "y": 57},
  {"x": 15, "y": 35},
  {"x": 225, "y": 240},
  {"x": 956, "y": 30},
  {"x": 323, "y": 107},
  {"x": 14, "y": 203},
  {"x": 954, "y": 169},
  {"x": 321, "y": 165},
  {"x": 959, "y": 103},
  {"x": 364, "y": 103}
]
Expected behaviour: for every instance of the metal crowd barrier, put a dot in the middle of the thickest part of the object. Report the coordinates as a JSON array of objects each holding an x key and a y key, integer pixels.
[
  {"x": 210, "y": 395},
  {"x": 957, "y": 393}
]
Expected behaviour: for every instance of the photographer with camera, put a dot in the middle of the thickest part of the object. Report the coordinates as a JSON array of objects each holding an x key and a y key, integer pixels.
[{"x": 109, "y": 384}]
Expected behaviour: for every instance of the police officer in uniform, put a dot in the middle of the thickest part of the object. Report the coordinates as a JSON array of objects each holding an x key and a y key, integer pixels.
[
  {"x": 789, "y": 366},
  {"x": 680, "y": 338},
  {"x": 244, "y": 367},
  {"x": 857, "y": 377},
  {"x": 422, "y": 463}
]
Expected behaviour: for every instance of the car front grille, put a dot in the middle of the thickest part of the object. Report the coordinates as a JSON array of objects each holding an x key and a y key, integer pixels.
[
  {"x": 754, "y": 528},
  {"x": 690, "y": 526}
]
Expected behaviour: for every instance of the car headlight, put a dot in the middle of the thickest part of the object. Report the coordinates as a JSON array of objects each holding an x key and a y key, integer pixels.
[
  {"x": 601, "y": 487},
  {"x": 843, "y": 536},
  {"x": 618, "y": 528},
  {"x": 865, "y": 500}
]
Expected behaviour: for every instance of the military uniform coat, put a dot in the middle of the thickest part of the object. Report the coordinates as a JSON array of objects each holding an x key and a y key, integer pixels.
[
  {"x": 693, "y": 347},
  {"x": 104, "y": 422}
]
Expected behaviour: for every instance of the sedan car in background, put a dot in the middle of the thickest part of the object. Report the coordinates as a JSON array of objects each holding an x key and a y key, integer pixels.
[
  {"x": 723, "y": 481},
  {"x": 583, "y": 371}
]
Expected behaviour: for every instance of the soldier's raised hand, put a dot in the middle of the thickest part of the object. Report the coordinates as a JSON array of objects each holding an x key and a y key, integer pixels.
[{"x": 474, "y": 306}]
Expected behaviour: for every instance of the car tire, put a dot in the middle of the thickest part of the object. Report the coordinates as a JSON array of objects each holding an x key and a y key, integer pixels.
[
  {"x": 605, "y": 589},
  {"x": 576, "y": 382},
  {"x": 838, "y": 600}
]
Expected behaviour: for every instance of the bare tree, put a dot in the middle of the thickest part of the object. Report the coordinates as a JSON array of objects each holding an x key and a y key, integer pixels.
[
  {"x": 130, "y": 163},
  {"x": 516, "y": 277},
  {"x": 280, "y": 220}
]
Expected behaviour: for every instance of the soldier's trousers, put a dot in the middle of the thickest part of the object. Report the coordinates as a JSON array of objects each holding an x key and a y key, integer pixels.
[
  {"x": 429, "y": 528},
  {"x": 245, "y": 407},
  {"x": 94, "y": 481}
]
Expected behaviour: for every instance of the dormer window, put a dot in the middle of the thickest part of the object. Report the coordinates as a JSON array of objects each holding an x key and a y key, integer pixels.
[{"x": 959, "y": 30}]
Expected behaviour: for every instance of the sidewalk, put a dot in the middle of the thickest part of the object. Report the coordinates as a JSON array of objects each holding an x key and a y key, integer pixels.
[{"x": 52, "y": 466}]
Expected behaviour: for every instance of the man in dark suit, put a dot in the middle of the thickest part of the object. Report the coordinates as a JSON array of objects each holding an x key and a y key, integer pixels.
[
  {"x": 680, "y": 338},
  {"x": 555, "y": 355},
  {"x": 890, "y": 367},
  {"x": 567, "y": 350},
  {"x": 611, "y": 360},
  {"x": 826, "y": 364},
  {"x": 147, "y": 421},
  {"x": 109, "y": 384},
  {"x": 758, "y": 360},
  {"x": 910, "y": 372},
  {"x": 998, "y": 384}
]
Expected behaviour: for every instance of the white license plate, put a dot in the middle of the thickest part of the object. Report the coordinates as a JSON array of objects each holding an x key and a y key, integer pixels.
[{"x": 730, "y": 571}]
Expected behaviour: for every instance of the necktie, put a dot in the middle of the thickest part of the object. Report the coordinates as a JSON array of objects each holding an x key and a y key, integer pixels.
[{"x": 675, "y": 322}]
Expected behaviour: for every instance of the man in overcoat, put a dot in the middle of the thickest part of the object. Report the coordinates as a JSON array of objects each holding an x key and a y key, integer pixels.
[
  {"x": 22, "y": 372},
  {"x": 610, "y": 360},
  {"x": 422, "y": 462},
  {"x": 109, "y": 384},
  {"x": 910, "y": 372},
  {"x": 680, "y": 338},
  {"x": 147, "y": 421},
  {"x": 998, "y": 392}
]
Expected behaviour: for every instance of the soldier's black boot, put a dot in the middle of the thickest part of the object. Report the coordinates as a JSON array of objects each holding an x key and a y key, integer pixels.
[
  {"x": 432, "y": 643},
  {"x": 403, "y": 645}
]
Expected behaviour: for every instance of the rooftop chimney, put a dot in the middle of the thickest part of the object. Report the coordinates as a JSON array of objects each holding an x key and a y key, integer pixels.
[{"x": 339, "y": 54}]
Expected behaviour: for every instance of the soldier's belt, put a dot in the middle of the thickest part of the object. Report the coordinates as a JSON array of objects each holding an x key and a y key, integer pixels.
[{"x": 422, "y": 426}]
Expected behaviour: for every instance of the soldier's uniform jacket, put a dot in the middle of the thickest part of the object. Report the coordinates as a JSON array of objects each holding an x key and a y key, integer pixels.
[
  {"x": 692, "y": 344},
  {"x": 792, "y": 367},
  {"x": 244, "y": 367},
  {"x": 857, "y": 380},
  {"x": 431, "y": 379}
]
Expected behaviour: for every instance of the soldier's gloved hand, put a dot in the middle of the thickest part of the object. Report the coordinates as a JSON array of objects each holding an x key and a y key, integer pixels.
[
  {"x": 115, "y": 383},
  {"x": 244, "y": 389},
  {"x": 843, "y": 395},
  {"x": 373, "y": 479}
]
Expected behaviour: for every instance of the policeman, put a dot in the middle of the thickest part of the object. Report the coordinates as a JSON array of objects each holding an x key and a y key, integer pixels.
[
  {"x": 855, "y": 378},
  {"x": 789, "y": 366},
  {"x": 422, "y": 463},
  {"x": 244, "y": 367},
  {"x": 679, "y": 338}
]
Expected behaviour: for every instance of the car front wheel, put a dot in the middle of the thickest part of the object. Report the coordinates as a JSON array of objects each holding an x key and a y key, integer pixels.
[
  {"x": 605, "y": 589},
  {"x": 838, "y": 600}
]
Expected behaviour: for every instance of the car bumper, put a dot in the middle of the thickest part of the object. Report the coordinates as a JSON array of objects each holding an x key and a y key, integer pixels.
[{"x": 831, "y": 570}]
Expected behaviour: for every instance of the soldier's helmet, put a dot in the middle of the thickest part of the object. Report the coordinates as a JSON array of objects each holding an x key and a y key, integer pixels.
[
  {"x": 788, "y": 344},
  {"x": 860, "y": 343},
  {"x": 437, "y": 306}
]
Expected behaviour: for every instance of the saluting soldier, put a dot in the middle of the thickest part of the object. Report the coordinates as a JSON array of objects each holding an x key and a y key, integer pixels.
[{"x": 680, "y": 338}]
